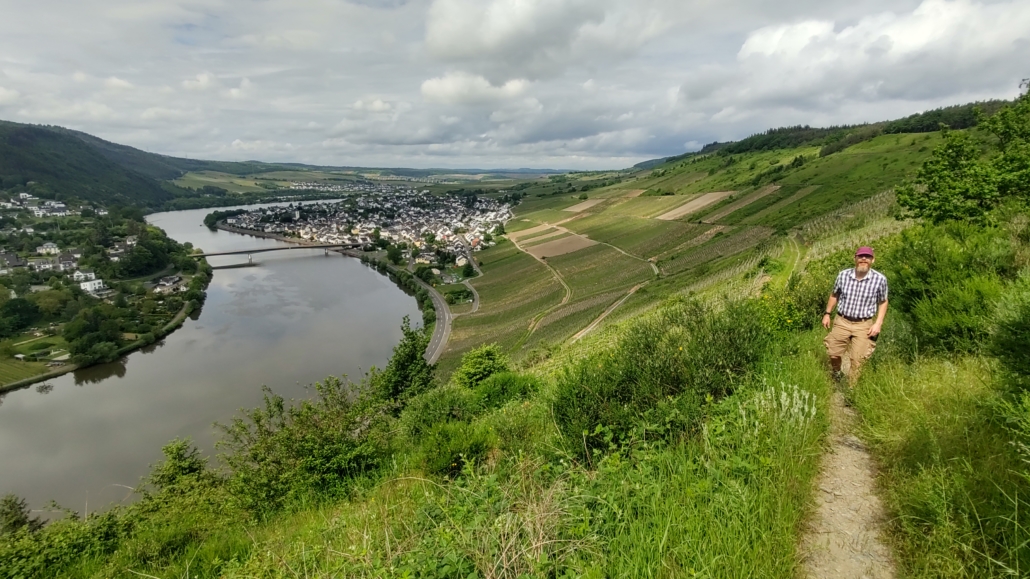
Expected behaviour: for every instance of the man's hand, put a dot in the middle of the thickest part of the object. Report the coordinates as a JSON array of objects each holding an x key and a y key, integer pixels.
[
  {"x": 826, "y": 321},
  {"x": 874, "y": 331}
]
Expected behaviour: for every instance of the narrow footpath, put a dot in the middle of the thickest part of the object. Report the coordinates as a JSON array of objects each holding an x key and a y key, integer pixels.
[{"x": 844, "y": 536}]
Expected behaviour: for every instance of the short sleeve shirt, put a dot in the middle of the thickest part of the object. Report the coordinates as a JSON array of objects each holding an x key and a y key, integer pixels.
[{"x": 859, "y": 298}]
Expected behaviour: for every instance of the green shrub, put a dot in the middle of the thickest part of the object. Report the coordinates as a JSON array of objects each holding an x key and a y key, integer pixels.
[
  {"x": 520, "y": 426},
  {"x": 958, "y": 317},
  {"x": 799, "y": 305},
  {"x": 278, "y": 453},
  {"x": 497, "y": 389},
  {"x": 948, "y": 278},
  {"x": 478, "y": 364},
  {"x": 448, "y": 446},
  {"x": 439, "y": 405},
  {"x": 1011, "y": 338},
  {"x": 62, "y": 543},
  {"x": 688, "y": 352},
  {"x": 15, "y": 516},
  {"x": 926, "y": 257}
]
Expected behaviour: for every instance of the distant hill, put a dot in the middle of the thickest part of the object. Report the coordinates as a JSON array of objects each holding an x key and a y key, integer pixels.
[
  {"x": 61, "y": 165},
  {"x": 64, "y": 163},
  {"x": 836, "y": 138}
]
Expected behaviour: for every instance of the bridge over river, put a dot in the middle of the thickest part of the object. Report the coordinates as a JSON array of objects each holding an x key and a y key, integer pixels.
[{"x": 325, "y": 246}]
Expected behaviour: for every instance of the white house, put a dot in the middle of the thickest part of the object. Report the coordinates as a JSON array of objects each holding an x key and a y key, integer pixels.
[
  {"x": 92, "y": 286},
  {"x": 84, "y": 275},
  {"x": 48, "y": 248}
]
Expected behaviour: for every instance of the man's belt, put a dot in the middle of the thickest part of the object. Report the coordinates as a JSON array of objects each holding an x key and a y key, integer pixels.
[{"x": 853, "y": 320}]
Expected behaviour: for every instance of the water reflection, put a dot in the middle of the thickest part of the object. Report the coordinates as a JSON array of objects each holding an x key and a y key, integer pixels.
[
  {"x": 100, "y": 372},
  {"x": 298, "y": 318}
]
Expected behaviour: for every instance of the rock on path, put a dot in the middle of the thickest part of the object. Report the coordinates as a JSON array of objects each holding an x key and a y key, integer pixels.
[{"x": 843, "y": 538}]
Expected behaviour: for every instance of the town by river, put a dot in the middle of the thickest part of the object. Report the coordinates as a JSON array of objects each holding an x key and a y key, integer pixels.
[{"x": 85, "y": 439}]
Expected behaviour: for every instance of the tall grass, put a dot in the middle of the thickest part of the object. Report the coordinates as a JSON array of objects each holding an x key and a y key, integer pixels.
[{"x": 951, "y": 476}]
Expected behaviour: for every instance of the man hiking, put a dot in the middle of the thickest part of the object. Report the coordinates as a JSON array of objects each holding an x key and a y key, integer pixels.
[{"x": 860, "y": 296}]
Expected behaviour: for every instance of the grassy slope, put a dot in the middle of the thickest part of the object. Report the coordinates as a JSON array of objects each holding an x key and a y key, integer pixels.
[{"x": 722, "y": 502}]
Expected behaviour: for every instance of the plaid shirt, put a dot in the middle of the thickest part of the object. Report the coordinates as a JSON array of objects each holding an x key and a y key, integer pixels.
[{"x": 858, "y": 298}]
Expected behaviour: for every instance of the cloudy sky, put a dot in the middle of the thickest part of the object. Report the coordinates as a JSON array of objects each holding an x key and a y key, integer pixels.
[{"x": 574, "y": 84}]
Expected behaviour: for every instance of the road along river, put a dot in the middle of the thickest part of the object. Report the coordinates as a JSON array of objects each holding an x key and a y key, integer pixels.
[{"x": 298, "y": 317}]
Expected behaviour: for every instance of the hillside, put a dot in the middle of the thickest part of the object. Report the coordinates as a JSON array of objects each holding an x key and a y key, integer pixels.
[
  {"x": 63, "y": 166},
  {"x": 64, "y": 162},
  {"x": 643, "y": 392}
]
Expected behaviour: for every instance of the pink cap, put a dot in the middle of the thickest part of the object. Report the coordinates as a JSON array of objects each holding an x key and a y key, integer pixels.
[{"x": 864, "y": 250}]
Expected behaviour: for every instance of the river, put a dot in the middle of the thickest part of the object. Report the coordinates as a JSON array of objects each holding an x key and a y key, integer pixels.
[{"x": 296, "y": 318}]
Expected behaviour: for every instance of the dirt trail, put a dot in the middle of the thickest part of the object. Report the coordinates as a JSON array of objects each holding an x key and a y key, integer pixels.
[{"x": 843, "y": 538}]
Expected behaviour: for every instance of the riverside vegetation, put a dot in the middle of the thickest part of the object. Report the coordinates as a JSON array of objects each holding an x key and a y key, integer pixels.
[
  {"x": 681, "y": 440},
  {"x": 45, "y": 314}
]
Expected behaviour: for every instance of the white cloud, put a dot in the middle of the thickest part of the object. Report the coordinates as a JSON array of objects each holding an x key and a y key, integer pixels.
[
  {"x": 203, "y": 81},
  {"x": 465, "y": 88},
  {"x": 8, "y": 96},
  {"x": 116, "y": 83},
  {"x": 940, "y": 48},
  {"x": 534, "y": 39},
  {"x": 374, "y": 106},
  {"x": 240, "y": 91},
  {"x": 560, "y": 83},
  {"x": 164, "y": 114}
]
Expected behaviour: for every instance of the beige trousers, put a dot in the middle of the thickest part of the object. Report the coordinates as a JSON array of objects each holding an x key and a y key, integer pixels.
[{"x": 855, "y": 335}]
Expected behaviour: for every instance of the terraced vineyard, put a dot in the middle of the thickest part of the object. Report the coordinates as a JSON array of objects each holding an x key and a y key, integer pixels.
[
  {"x": 727, "y": 211},
  {"x": 513, "y": 289}
]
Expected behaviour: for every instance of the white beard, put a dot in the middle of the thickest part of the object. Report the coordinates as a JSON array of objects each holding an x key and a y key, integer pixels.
[{"x": 864, "y": 268}]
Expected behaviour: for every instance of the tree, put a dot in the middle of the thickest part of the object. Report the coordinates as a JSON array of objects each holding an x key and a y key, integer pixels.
[
  {"x": 953, "y": 184},
  {"x": 407, "y": 372},
  {"x": 14, "y": 516},
  {"x": 479, "y": 364},
  {"x": 50, "y": 302},
  {"x": 394, "y": 254},
  {"x": 1011, "y": 126},
  {"x": 469, "y": 270},
  {"x": 20, "y": 312}
]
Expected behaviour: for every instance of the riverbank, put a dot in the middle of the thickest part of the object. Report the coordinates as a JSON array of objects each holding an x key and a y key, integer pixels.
[{"x": 168, "y": 328}]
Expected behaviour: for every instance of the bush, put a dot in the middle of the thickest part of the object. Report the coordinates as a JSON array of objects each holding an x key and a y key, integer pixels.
[
  {"x": 478, "y": 364},
  {"x": 520, "y": 426},
  {"x": 278, "y": 453},
  {"x": 1011, "y": 337},
  {"x": 439, "y": 405},
  {"x": 449, "y": 446},
  {"x": 15, "y": 516},
  {"x": 498, "y": 389},
  {"x": 407, "y": 374},
  {"x": 799, "y": 305},
  {"x": 947, "y": 279},
  {"x": 686, "y": 352},
  {"x": 958, "y": 318}
]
